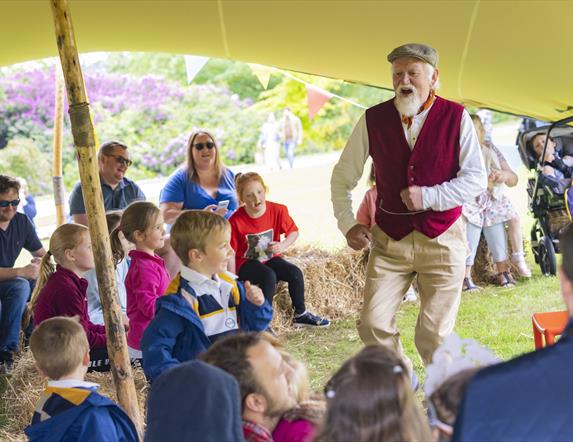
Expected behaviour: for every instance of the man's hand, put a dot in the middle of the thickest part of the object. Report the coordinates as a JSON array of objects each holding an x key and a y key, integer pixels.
[
  {"x": 31, "y": 271},
  {"x": 254, "y": 294},
  {"x": 359, "y": 237},
  {"x": 412, "y": 198}
]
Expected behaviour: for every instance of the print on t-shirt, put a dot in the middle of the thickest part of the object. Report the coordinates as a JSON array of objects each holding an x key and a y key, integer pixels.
[{"x": 257, "y": 245}]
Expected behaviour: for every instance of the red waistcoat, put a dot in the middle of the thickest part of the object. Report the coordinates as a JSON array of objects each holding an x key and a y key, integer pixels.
[{"x": 434, "y": 160}]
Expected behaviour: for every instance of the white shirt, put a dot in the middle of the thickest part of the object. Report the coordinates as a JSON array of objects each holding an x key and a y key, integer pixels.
[
  {"x": 218, "y": 321},
  {"x": 73, "y": 383},
  {"x": 470, "y": 181}
]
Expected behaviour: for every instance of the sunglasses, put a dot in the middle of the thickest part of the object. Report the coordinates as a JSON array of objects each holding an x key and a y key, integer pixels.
[
  {"x": 200, "y": 146},
  {"x": 13, "y": 203},
  {"x": 121, "y": 160}
]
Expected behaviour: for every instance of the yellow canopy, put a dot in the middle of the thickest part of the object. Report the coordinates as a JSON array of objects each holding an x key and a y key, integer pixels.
[{"x": 511, "y": 56}]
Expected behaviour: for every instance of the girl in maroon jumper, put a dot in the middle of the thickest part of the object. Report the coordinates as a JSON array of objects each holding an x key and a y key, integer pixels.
[
  {"x": 147, "y": 279},
  {"x": 61, "y": 289},
  {"x": 257, "y": 227}
]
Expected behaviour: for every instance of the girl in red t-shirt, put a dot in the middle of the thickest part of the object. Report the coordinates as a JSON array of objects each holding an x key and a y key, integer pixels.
[{"x": 257, "y": 227}]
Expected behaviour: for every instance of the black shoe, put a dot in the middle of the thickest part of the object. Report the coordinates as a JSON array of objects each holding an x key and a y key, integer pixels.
[
  {"x": 307, "y": 319},
  {"x": 6, "y": 367}
]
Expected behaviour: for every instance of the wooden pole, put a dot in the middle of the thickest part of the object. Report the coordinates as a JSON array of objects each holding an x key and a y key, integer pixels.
[
  {"x": 84, "y": 141},
  {"x": 57, "y": 178}
]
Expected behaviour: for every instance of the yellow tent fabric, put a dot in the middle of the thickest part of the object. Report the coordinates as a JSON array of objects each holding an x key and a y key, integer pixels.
[{"x": 508, "y": 55}]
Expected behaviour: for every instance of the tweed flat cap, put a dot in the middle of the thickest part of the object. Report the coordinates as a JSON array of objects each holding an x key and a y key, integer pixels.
[{"x": 415, "y": 50}]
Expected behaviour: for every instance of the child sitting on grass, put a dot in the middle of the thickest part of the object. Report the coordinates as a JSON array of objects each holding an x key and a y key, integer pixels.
[
  {"x": 70, "y": 408},
  {"x": 204, "y": 302}
]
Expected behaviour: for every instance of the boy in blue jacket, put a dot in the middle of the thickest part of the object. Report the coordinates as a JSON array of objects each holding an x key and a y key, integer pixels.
[
  {"x": 70, "y": 409},
  {"x": 204, "y": 302}
]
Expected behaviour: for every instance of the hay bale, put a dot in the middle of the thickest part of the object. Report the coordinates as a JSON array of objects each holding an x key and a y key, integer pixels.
[
  {"x": 25, "y": 386},
  {"x": 484, "y": 271},
  {"x": 333, "y": 284}
]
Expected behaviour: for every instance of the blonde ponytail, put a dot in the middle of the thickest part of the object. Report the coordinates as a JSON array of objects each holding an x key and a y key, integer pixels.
[{"x": 47, "y": 268}]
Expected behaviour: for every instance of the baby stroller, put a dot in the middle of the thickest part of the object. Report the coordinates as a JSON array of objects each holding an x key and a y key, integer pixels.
[{"x": 547, "y": 200}]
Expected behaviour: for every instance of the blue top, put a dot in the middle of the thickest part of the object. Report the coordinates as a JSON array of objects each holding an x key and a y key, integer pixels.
[
  {"x": 180, "y": 189},
  {"x": 19, "y": 234},
  {"x": 525, "y": 399},
  {"x": 119, "y": 198}
]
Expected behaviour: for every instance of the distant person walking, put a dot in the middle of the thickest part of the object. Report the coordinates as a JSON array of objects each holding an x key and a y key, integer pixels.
[
  {"x": 291, "y": 134},
  {"x": 269, "y": 142}
]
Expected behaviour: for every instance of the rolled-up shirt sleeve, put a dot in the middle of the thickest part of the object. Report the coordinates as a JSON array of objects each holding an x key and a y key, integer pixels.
[
  {"x": 346, "y": 174},
  {"x": 471, "y": 179}
]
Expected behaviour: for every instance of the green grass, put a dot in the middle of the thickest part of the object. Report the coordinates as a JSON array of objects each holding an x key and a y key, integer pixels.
[{"x": 496, "y": 317}]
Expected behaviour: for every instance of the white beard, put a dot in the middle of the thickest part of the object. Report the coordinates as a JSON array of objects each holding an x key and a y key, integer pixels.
[{"x": 407, "y": 105}]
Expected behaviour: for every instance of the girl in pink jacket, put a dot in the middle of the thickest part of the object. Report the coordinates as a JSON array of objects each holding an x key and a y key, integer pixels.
[{"x": 147, "y": 278}]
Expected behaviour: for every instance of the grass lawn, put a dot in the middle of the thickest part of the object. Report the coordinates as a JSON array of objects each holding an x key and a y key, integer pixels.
[{"x": 498, "y": 318}]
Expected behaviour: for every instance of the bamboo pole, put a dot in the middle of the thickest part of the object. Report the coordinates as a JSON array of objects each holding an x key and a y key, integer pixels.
[
  {"x": 84, "y": 141},
  {"x": 57, "y": 176}
]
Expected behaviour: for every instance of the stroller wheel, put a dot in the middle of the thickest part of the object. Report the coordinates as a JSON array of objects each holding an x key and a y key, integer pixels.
[{"x": 547, "y": 258}]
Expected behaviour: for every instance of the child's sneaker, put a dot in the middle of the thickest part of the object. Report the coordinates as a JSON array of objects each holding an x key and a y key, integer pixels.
[
  {"x": 522, "y": 268},
  {"x": 307, "y": 319}
]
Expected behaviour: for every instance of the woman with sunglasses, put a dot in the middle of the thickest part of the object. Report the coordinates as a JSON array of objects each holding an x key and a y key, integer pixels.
[{"x": 204, "y": 184}]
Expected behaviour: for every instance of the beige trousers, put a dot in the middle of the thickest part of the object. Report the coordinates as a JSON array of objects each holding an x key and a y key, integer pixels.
[{"x": 392, "y": 265}]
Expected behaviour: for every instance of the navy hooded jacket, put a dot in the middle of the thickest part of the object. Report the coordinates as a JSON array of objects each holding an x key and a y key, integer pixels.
[
  {"x": 78, "y": 417},
  {"x": 176, "y": 333},
  {"x": 525, "y": 399},
  {"x": 194, "y": 402}
]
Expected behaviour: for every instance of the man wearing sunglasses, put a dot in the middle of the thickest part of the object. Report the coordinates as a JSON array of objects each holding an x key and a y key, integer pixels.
[
  {"x": 16, "y": 232},
  {"x": 118, "y": 191}
]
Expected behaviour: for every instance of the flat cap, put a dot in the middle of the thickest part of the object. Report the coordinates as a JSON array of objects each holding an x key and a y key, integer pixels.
[{"x": 415, "y": 50}]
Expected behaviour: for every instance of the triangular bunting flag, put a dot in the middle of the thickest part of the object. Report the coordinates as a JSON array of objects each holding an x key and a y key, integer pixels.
[
  {"x": 263, "y": 73},
  {"x": 316, "y": 99},
  {"x": 193, "y": 64}
]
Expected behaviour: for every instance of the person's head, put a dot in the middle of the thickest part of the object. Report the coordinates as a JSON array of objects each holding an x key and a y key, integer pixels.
[
  {"x": 195, "y": 399},
  {"x": 60, "y": 348},
  {"x": 370, "y": 399},
  {"x": 414, "y": 76},
  {"x": 202, "y": 241},
  {"x": 298, "y": 382},
  {"x": 566, "y": 271},
  {"x": 252, "y": 192},
  {"x": 476, "y": 120},
  {"x": 444, "y": 402},
  {"x": 9, "y": 200},
  {"x": 453, "y": 363},
  {"x": 203, "y": 154},
  {"x": 71, "y": 248},
  {"x": 261, "y": 372},
  {"x": 141, "y": 224},
  {"x": 538, "y": 143},
  {"x": 113, "y": 161}
]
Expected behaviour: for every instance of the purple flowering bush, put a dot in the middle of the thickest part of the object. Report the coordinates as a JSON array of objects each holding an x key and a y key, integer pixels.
[{"x": 153, "y": 116}]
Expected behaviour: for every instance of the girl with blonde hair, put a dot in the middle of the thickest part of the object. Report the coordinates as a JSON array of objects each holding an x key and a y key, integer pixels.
[{"x": 61, "y": 289}]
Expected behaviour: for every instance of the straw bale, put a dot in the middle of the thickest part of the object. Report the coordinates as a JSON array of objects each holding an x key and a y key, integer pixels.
[
  {"x": 484, "y": 270},
  {"x": 333, "y": 284},
  {"x": 25, "y": 386}
]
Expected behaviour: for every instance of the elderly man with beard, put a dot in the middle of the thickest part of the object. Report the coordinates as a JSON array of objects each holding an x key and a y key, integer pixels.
[
  {"x": 259, "y": 368},
  {"x": 428, "y": 163}
]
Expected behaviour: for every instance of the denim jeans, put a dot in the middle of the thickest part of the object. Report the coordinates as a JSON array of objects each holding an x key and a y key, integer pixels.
[
  {"x": 289, "y": 151},
  {"x": 14, "y": 294}
]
